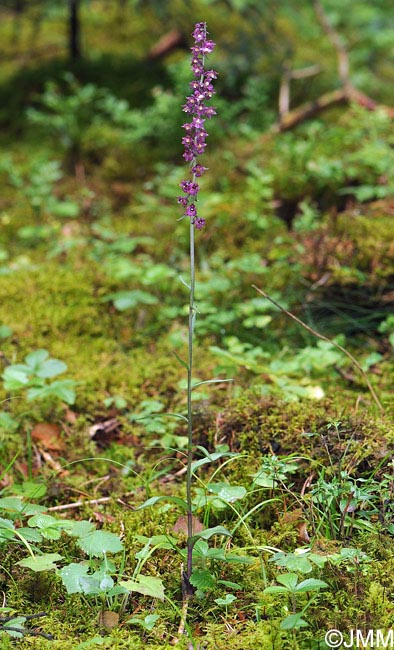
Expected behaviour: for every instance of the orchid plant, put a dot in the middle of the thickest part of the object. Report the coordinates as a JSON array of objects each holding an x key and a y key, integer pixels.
[{"x": 194, "y": 144}]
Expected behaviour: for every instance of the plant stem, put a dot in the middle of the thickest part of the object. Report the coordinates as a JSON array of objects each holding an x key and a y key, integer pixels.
[{"x": 192, "y": 313}]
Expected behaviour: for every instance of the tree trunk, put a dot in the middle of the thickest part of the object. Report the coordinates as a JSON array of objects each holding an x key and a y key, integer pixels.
[{"x": 74, "y": 31}]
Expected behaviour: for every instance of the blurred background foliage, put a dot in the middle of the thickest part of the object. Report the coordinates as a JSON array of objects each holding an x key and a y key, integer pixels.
[{"x": 90, "y": 108}]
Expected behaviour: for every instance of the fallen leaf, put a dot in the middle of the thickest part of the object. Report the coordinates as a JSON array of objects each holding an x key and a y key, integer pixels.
[
  {"x": 303, "y": 533},
  {"x": 70, "y": 416},
  {"x": 48, "y": 436},
  {"x": 108, "y": 619},
  {"x": 180, "y": 525}
]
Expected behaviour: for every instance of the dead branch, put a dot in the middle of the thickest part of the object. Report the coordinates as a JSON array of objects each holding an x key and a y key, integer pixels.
[
  {"x": 337, "y": 42},
  {"x": 345, "y": 95},
  {"x": 169, "y": 42}
]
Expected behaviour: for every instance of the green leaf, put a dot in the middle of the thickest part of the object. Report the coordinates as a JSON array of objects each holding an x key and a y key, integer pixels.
[
  {"x": 7, "y": 528},
  {"x": 65, "y": 209},
  {"x": 79, "y": 528},
  {"x": 14, "y": 378},
  {"x": 51, "y": 368},
  {"x": 129, "y": 299},
  {"x": 30, "y": 534},
  {"x": 146, "y": 585},
  {"x": 7, "y": 423},
  {"x": 293, "y": 622},
  {"x": 16, "y": 506},
  {"x": 211, "y": 458},
  {"x": 147, "y": 623},
  {"x": 311, "y": 584},
  {"x": 72, "y": 575},
  {"x": 5, "y": 331},
  {"x": 227, "y": 600},
  {"x": 17, "y": 622},
  {"x": 153, "y": 500},
  {"x": 289, "y": 580},
  {"x": 35, "y": 359},
  {"x": 181, "y": 361},
  {"x": 90, "y": 644},
  {"x": 210, "y": 381},
  {"x": 62, "y": 389},
  {"x": 229, "y": 493},
  {"x": 202, "y": 580},
  {"x": 209, "y": 532},
  {"x": 100, "y": 542},
  {"x": 230, "y": 585},
  {"x": 275, "y": 589},
  {"x": 30, "y": 489},
  {"x": 44, "y": 562}
]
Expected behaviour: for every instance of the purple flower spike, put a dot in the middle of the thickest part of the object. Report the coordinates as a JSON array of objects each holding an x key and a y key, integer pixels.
[{"x": 194, "y": 139}]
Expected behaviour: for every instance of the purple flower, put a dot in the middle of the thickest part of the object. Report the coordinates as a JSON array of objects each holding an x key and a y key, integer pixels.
[{"x": 194, "y": 140}]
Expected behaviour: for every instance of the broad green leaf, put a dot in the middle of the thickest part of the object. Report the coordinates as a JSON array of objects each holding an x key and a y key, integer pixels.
[
  {"x": 5, "y": 331},
  {"x": 129, "y": 299},
  {"x": 79, "y": 528},
  {"x": 51, "y": 368},
  {"x": 17, "y": 622},
  {"x": 229, "y": 493},
  {"x": 293, "y": 622},
  {"x": 35, "y": 359},
  {"x": 146, "y": 585},
  {"x": 8, "y": 424},
  {"x": 72, "y": 575},
  {"x": 43, "y": 521},
  {"x": 65, "y": 209},
  {"x": 30, "y": 490},
  {"x": 209, "y": 532},
  {"x": 16, "y": 506},
  {"x": 62, "y": 389},
  {"x": 153, "y": 500},
  {"x": 202, "y": 580},
  {"x": 100, "y": 542},
  {"x": 14, "y": 379},
  {"x": 30, "y": 534},
  {"x": 147, "y": 623},
  {"x": 275, "y": 589},
  {"x": 311, "y": 584},
  {"x": 227, "y": 600},
  {"x": 44, "y": 562},
  {"x": 211, "y": 458},
  {"x": 289, "y": 580},
  {"x": 163, "y": 541},
  {"x": 7, "y": 529}
]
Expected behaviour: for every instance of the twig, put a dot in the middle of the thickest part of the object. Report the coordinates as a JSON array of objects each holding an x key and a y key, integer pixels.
[
  {"x": 86, "y": 502},
  {"x": 324, "y": 338}
]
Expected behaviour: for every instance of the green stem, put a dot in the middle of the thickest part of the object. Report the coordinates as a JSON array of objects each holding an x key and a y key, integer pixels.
[{"x": 189, "y": 410}]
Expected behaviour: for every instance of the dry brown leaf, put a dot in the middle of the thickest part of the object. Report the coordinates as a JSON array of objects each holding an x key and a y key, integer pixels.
[
  {"x": 108, "y": 619},
  {"x": 180, "y": 525},
  {"x": 48, "y": 436}
]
